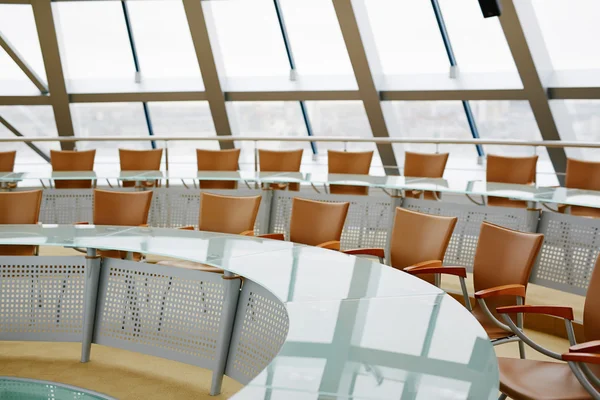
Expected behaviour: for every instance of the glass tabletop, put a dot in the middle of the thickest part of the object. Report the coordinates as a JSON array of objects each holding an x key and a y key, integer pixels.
[
  {"x": 32, "y": 389},
  {"x": 351, "y": 319}
]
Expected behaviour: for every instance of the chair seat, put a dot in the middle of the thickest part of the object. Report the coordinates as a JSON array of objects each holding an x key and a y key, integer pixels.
[
  {"x": 191, "y": 265},
  {"x": 539, "y": 380},
  {"x": 493, "y": 331}
]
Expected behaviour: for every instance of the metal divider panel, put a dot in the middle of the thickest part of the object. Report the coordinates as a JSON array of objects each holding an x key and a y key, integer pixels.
[
  {"x": 67, "y": 206},
  {"x": 163, "y": 311},
  {"x": 462, "y": 246},
  {"x": 368, "y": 222},
  {"x": 175, "y": 207},
  {"x": 260, "y": 329},
  {"x": 41, "y": 298},
  {"x": 568, "y": 256}
]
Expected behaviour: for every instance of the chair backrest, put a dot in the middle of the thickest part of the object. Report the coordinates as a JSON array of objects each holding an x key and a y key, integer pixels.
[
  {"x": 280, "y": 160},
  {"x": 139, "y": 160},
  {"x": 19, "y": 208},
  {"x": 419, "y": 237},
  {"x": 504, "y": 257},
  {"x": 316, "y": 222},
  {"x": 228, "y": 214},
  {"x": 425, "y": 165},
  {"x": 520, "y": 170},
  {"x": 218, "y": 160},
  {"x": 67, "y": 160},
  {"x": 121, "y": 208},
  {"x": 7, "y": 161},
  {"x": 583, "y": 174},
  {"x": 342, "y": 162},
  {"x": 591, "y": 309}
]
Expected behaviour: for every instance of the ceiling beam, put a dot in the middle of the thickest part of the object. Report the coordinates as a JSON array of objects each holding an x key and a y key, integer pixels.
[
  {"x": 16, "y": 132},
  {"x": 200, "y": 25},
  {"x": 22, "y": 64},
  {"x": 357, "y": 35},
  {"x": 44, "y": 21}
]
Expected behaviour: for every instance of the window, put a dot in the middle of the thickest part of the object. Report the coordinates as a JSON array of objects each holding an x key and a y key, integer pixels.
[
  {"x": 479, "y": 43},
  {"x": 163, "y": 40},
  {"x": 109, "y": 119},
  {"x": 30, "y": 121},
  {"x": 342, "y": 118},
  {"x": 570, "y": 30},
  {"x": 585, "y": 119},
  {"x": 93, "y": 40},
  {"x": 17, "y": 26},
  {"x": 267, "y": 118},
  {"x": 248, "y": 36},
  {"x": 395, "y": 25},
  {"x": 432, "y": 119}
]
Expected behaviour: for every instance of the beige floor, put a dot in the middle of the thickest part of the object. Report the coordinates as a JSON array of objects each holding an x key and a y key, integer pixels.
[{"x": 132, "y": 376}]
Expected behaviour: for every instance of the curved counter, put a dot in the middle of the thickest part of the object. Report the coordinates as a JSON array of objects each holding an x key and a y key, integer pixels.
[{"x": 308, "y": 323}]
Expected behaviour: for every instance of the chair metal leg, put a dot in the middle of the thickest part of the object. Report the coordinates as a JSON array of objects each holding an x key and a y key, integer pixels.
[
  {"x": 502, "y": 396},
  {"x": 522, "y": 350}
]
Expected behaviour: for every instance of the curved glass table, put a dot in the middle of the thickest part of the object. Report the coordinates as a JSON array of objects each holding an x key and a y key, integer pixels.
[
  {"x": 357, "y": 329},
  {"x": 31, "y": 389}
]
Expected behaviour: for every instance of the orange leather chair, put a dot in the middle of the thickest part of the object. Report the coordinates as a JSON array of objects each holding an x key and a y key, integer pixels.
[
  {"x": 7, "y": 164},
  {"x": 342, "y": 162},
  {"x": 422, "y": 165},
  {"x": 19, "y": 208},
  {"x": 501, "y": 269},
  {"x": 582, "y": 175},
  {"x": 7, "y": 161},
  {"x": 218, "y": 160},
  {"x": 72, "y": 161},
  {"x": 316, "y": 223},
  {"x": 417, "y": 240},
  {"x": 140, "y": 160},
  {"x": 535, "y": 380},
  {"x": 223, "y": 214},
  {"x": 121, "y": 209},
  {"x": 519, "y": 170},
  {"x": 281, "y": 161}
]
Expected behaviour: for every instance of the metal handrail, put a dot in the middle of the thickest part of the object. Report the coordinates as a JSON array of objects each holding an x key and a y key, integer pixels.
[{"x": 348, "y": 139}]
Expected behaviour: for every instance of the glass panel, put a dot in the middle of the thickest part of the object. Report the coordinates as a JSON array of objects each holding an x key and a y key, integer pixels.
[
  {"x": 30, "y": 121},
  {"x": 316, "y": 38},
  {"x": 479, "y": 43},
  {"x": 395, "y": 24},
  {"x": 585, "y": 118},
  {"x": 109, "y": 119},
  {"x": 18, "y": 27},
  {"x": 267, "y": 118},
  {"x": 572, "y": 46},
  {"x": 249, "y": 37},
  {"x": 434, "y": 119},
  {"x": 163, "y": 41},
  {"x": 342, "y": 118},
  {"x": 183, "y": 119},
  {"x": 512, "y": 120},
  {"x": 93, "y": 40}
]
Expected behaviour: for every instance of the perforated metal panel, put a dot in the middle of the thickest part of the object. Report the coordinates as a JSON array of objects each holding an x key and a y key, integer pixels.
[
  {"x": 176, "y": 207},
  {"x": 168, "y": 312},
  {"x": 368, "y": 223},
  {"x": 261, "y": 326},
  {"x": 461, "y": 250},
  {"x": 41, "y": 298},
  {"x": 568, "y": 256},
  {"x": 67, "y": 206}
]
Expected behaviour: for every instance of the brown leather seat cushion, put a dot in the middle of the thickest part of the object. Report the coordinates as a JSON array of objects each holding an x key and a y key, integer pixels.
[
  {"x": 491, "y": 329},
  {"x": 539, "y": 380},
  {"x": 191, "y": 265}
]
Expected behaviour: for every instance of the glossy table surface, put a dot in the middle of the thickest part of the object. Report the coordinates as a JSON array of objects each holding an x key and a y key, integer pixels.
[
  {"x": 552, "y": 195},
  {"x": 358, "y": 329}
]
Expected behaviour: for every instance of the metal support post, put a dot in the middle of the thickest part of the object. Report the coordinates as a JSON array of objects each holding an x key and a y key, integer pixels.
[
  {"x": 92, "y": 277},
  {"x": 231, "y": 295}
]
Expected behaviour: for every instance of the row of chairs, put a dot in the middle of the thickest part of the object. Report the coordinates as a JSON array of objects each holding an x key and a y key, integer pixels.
[{"x": 503, "y": 262}]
